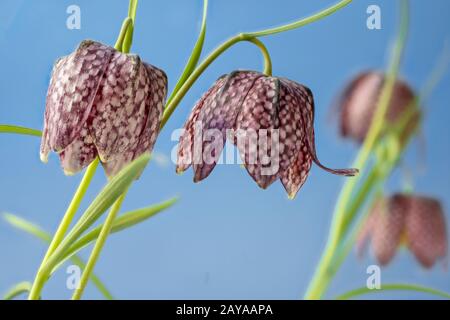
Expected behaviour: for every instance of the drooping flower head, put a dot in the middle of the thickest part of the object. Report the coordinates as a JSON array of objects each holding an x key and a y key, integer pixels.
[
  {"x": 360, "y": 99},
  {"x": 102, "y": 102},
  {"x": 269, "y": 119},
  {"x": 414, "y": 221}
]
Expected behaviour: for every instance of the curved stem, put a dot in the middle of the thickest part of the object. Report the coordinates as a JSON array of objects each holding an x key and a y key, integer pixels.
[
  {"x": 323, "y": 274},
  {"x": 251, "y": 37},
  {"x": 171, "y": 106},
  {"x": 302, "y": 22},
  {"x": 106, "y": 229},
  {"x": 267, "y": 61},
  {"x": 393, "y": 287}
]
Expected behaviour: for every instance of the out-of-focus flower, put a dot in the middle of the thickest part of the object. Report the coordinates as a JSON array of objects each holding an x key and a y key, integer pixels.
[
  {"x": 360, "y": 99},
  {"x": 414, "y": 221},
  {"x": 269, "y": 119},
  {"x": 105, "y": 103}
]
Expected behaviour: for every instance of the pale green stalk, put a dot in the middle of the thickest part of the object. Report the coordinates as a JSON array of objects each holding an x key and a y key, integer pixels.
[
  {"x": 106, "y": 229},
  {"x": 393, "y": 287},
  {"x": 323, "y": 274}
]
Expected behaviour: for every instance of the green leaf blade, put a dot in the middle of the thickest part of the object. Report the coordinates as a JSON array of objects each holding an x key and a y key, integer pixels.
[
  {"x": 6, "y": 128},
  {"x": 195, "y": 54},
  {"x": 125, "y": 221}
]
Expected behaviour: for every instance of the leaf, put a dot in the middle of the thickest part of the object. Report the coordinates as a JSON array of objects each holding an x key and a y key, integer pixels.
[
  {"x": 18, "y": 289},
  {"x": 127, "y": 220},
  {"x": 5, "y": 128},
  {"x": 393, "y": 287},
  {"x": 39, "y": 233},
  {"x": 110, "y": 193},
  {"x": 195, "y": 55}
]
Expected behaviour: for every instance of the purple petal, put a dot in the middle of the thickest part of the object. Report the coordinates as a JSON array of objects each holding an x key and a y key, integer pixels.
[
  {"x": 154, "y": 104},
  {"x": 185, "y": 155},
  {"x": 119, "y": 112},
  {"x": 79, "y": 154},
  {"x": 257, "y": 124},
  {"x": 75, "y": 81},
  {"x": 305, "y": 102},
  {"x": 295, "y": 176},
  {"x": 219, "y": 112}
]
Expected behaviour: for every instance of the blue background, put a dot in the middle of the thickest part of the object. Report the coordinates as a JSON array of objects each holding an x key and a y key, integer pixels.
[{"x": 226, "y": 238}]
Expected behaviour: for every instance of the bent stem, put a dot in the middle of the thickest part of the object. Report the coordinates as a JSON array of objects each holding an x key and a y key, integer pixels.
[
  {"x": 324, "y": 272},
  {"x": 250, "y": 37}
]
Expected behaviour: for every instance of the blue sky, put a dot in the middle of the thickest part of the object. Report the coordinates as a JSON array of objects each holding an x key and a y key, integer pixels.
[{"x": 226, "y": 238}]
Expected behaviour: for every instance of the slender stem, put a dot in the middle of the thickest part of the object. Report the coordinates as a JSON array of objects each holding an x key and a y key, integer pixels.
[
  {"x": 302, "y": 22},
  {"x": 63, "y": 226},
  {"x": 323, "y": 274},
  {"x": 106, "y": 229},
  {"x": 267, "y": 61},
  {"x": 251, "y": 37},
  {"x": 41, "y": 276},
  {"x": 171, "y": 106},
  {"x": 393, "y": 287},
  {"x": 195, "y": 54},
  {"x": 123, "y": 31}
]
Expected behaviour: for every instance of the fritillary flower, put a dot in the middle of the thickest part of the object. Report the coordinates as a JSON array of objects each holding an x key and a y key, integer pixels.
[
  {"x": 102, "y": 102},
  {"x": 414, "y": 221},
  {"x": 256, "y": 109},
  {"x": 360, "y": 99}
]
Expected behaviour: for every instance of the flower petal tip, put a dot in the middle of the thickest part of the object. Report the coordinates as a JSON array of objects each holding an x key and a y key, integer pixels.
[{"x": 44, "y": 157}]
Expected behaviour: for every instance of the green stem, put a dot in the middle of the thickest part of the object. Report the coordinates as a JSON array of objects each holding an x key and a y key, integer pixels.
[
  {"x": 106, "y": 229},
  {"x": 300, "y": 23},
  {"x": 41, "y": 277},
  {"x": 323, "y": 274},
  {"x": 172, "y": 104},
  {"x": 393, "y": 287},
  {"x": 123, "y": 31},
  {"x": 251, "y": 37}
]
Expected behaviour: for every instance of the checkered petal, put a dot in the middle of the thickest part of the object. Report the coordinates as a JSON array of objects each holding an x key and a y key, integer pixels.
[
  {"x": 156, "y": 91},
  {"x": 218, "y": 114},
  {"x": 305, "y": 102},
  {"x": 426, "y": 230},
  {"x": 257, "y": 131},
  {"x": 187, "y": 143},
  {"x": 388, "y": 229},
  {"x": 74, "y": 84}
]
